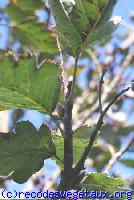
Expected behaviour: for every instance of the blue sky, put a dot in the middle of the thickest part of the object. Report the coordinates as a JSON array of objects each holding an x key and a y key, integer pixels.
[{"x": 123, "y": 8}]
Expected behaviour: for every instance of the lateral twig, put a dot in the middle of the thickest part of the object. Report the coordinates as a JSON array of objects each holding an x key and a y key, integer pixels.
[
  {"x": 112, "y": 85},
  {"x": 80, "y": 165}
]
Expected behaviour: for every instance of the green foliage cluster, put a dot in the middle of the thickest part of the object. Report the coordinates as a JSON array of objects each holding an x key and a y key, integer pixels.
[
  {"x": 23, "y": 85},
  {"x": 83, "y": 22}
]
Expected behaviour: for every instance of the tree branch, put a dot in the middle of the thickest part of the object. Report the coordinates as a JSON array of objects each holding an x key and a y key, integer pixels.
[
  {"x": 80, "y": 165},
  {"x": 112, "y": 85},
  {"x": 100, "y": 90},
  {"x": 68, "y": 139}
]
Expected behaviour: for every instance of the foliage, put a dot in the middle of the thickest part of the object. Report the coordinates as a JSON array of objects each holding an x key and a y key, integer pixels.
[
  {"x": 22, "y": 85},
  {"x": 102, "y": 182},
  {"x": 26, "y": 28},
  {"x": 81, "y": 137},
  {"x": 83, "y": 22},
  {"x": 24, "y": 151},
  {"x": 32, "y": 78}
]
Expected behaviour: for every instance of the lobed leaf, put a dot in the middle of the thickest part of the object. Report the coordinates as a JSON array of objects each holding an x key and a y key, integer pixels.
[
  {"x": 22, "y": 85},
  {"x": 25, "y": 150},
  {"x": 103, "y": 182},
  {"x": 83, "y": 22}
]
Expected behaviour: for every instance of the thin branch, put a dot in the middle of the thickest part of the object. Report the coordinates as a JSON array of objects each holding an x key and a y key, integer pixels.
[
  {"x": 80, "y": 165},
  {"x": 112, "y": 85},
  {"x": 114, "y": 100},
  {"x": 100, "y": 90},
  {"x": 117, "y": 156}
]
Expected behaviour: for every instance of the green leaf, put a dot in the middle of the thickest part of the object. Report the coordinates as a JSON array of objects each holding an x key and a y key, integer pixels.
[
  {"x": 80, "y": 140},
  {"x": 30, "y": 4},
  {"x": 22, "y": 85},
  {"x": 25, "y": 150},
  {"x": 35, "y": 36},
  {"x": 65, "y": 29},
  {"x": 17, "y": 15},
  {"x": 83, "y": 22},
  {"x": 100, "y": 33},
  {"x": 83, "y": 133},
  {"x": 102, "y": 182},
  {"x": 29, "y": 32},
  {"x": 128, "y": 163}
]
